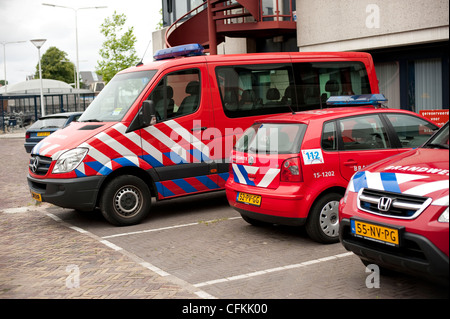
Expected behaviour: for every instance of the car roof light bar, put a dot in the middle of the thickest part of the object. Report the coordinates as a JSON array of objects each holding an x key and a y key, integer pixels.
[
  {"x": 192, "y": 49},
  {"x": 363, "y": 99}
]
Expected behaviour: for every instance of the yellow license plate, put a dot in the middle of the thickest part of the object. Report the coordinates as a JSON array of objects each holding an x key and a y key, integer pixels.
[
  {"x": 378, "y": 233},
  {"x": 43, "y": 134},
  {"x": 36, "y": 196},
  {"x": 249, "y": 199}
]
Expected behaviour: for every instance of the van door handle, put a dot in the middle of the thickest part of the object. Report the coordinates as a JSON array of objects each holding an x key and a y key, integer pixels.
[
  {"x": 198, "y": 128},
  {"x": 350, "y": 163}
]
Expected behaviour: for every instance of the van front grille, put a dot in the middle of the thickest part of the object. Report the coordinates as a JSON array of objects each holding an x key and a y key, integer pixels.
[{"x": 39, "y": 165}]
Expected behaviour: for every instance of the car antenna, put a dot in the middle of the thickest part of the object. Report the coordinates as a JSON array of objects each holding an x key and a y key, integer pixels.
[{"x": 140, "y": 62}]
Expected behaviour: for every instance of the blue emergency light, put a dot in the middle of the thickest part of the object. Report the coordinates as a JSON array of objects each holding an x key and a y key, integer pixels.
[
  {"x": 363, "y": 99},
  {"x": 179, "y": 51}
]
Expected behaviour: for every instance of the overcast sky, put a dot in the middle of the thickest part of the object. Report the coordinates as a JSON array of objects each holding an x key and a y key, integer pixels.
[{"x": 23, "y": 20}]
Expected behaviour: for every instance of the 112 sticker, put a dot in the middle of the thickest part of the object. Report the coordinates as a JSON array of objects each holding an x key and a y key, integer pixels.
[{"x": 313, "y": 156}]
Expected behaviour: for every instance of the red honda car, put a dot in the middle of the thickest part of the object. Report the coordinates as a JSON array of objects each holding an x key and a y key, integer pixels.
[
  {"x": 293, "y": 169},
  {"x": 395, "y": 212}
]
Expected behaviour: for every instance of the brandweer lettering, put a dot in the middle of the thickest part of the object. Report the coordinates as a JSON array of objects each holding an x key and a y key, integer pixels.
[{"x": 419, "y": 169}]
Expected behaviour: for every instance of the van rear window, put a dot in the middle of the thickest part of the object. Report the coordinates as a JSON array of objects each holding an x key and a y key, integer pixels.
[{"x": 249, "y": 90}]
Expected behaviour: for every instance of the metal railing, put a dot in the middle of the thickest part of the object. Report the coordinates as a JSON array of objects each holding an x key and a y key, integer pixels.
[
  {"x": 197, "y": 9},
  {"x": 21, "y": 110}
]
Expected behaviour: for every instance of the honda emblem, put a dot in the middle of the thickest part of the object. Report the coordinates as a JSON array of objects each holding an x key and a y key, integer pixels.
[{"x": 384, "y": 204}]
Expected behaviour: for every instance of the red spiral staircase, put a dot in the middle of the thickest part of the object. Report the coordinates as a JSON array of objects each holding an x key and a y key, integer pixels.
[{"x": 210, "y": 22}]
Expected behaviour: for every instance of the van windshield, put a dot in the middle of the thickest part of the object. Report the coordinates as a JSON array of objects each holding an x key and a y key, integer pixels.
[
  {"x": 271, "y": 138},
  {"x": 116, "y": 98}
]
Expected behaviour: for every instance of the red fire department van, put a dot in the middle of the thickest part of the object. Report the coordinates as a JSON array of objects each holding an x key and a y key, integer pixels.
[
  {"x": 166, "y": 129},
  {"x": 395, "y": 213}
]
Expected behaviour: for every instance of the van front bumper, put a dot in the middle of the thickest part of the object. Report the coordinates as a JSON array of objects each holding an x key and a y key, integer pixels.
[{"x": 76, "y": 193}]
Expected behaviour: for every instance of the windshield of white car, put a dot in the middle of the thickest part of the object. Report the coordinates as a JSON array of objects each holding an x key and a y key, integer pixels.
[{"x": 117, "y": 97}]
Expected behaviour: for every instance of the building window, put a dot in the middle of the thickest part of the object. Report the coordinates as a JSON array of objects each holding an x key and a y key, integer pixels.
[
  {"x": 418, "y": 74},
  {"x": 388, "y": 74},
  {"x": 426, "y": 89}
]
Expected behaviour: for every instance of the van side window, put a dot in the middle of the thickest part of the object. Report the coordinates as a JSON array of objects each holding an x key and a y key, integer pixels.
[
  {"x": 411, "y": 131},
  {"x": 177, "y": 94},
  {"x": 248, "y": 90},
  {"x": 363, "y": 133},
  {"x": 317, "y": 81}
]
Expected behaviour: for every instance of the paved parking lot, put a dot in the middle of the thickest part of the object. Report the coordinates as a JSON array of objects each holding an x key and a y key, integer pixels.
[{"x": 195, "y": 247}]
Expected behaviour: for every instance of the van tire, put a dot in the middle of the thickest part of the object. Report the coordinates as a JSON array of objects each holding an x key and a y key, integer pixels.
[
  {"x": 323, "y": 220},
  {"x": 126, "y": 200}
]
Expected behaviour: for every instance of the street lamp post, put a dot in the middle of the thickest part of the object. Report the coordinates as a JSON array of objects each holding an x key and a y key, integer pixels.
[
  {"x": 4, "y": 59},
  {"x": 76, "y": 32},
  {"x": 38, "y": 43}
]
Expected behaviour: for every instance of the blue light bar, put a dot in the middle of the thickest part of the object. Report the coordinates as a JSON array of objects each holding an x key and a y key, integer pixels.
[
  {"x": 363, "y": 99},
  {"x": 179, "y": 51}
]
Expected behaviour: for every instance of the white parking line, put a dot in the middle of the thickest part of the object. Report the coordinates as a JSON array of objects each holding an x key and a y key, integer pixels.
[
  {"x": 271, "y": 270},
  {"x": 165, "y": 228},
  {"x": 200, "y": 293},
  {"x": 153, "y": 268},
  {"x": 15, "y": 210},
  {"x": 111, "y": 245}
]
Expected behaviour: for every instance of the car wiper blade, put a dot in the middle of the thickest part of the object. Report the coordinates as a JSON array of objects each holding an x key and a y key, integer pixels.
[{"x": 90, "y": 120}]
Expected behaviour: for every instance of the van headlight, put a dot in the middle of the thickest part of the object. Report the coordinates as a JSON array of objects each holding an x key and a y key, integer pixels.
[{"x": 69, "y": 160}]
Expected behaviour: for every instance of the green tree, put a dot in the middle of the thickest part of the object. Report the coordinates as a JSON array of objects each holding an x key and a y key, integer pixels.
[
  {"x": 118, "y": 50},
  {"x": 160, "y": 23},
  {"x": 55, "y": 66}
]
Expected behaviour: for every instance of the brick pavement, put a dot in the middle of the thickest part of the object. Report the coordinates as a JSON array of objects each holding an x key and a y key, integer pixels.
[{"x": 41, "y": 258}]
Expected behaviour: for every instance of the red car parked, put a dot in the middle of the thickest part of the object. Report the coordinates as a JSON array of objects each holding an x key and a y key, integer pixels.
[
  {"x": 395, "y": 212},
  {"x": 293, "y": 169}
]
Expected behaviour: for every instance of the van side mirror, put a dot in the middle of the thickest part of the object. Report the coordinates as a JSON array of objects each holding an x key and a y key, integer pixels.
[
  {"x": 145, "y": 117},
  {"x": 148, "y": 111}
]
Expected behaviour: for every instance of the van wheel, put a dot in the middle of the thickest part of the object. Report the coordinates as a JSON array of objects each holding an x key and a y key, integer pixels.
[
  {"x": 125, "y": 201},
  {"x": 323, "y": 220}
]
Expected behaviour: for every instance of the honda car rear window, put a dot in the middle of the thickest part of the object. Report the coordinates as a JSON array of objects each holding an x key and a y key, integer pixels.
[{"x": 272, "y": 138}]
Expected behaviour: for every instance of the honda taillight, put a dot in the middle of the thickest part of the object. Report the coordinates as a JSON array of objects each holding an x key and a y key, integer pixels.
[{"x": 291, "y": 170}]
